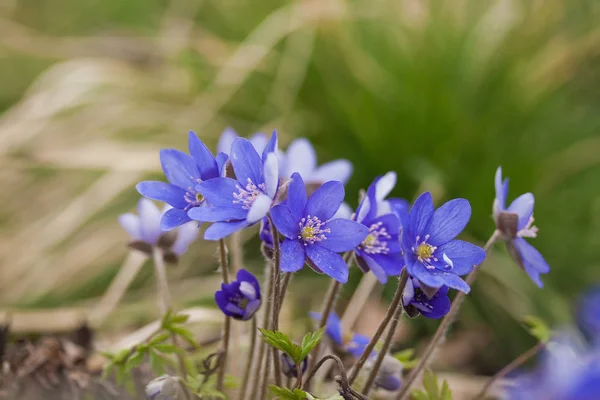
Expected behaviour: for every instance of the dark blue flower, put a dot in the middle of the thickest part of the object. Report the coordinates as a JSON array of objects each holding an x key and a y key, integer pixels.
[
  {"x": 239, "y": 299},
  {"x": 289, "y": 368},
  {"x": 311, "y": 235},
  {"x": 431, "y": 254},
  {"x": 568, "y": 371},
  {"x": 588, "y": 314},
  {"x": 351, "y": 343},
  {"x": 300, "y": 157},
  {"x": 241, "y": 202},
  {"x": 416, "y": 301},
  {"x": 380, "y": 252},
  {"x": 183, "y": 172},
  {"x": 516, "y": 223}
]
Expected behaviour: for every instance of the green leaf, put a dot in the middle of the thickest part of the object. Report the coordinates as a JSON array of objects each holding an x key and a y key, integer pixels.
[
  {"x": 419, "y": 395},
  {"x": 309, "y": 341},
  {"x": 430, "y": 383},
  {"x": 185, "y": 334},
  {"x": 120, "y": 374},
  {"x": 159, "y": 339},
  {"x": 121, "y": 356},
  {"x": 168, "y": 348},
  {"x": 280, "y": 341},
  {"x": 446, "y": 393},
  {"x": 404, "y": 355},
  {"x": 107, "y": 370},
  {"x": 134, "y": 361},
  {"x": 156, "y": 362},
  {"x": 287, "y": 394},
  {"x": 179, "y": 318},
  {"x": 537, "y": 328}
]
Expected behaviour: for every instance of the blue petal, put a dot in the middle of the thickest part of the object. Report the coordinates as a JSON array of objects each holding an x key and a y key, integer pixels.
[
  {"x": 271, "y": 175},
  {"x": 296, "y": 198},
  {"x": 399, "y": 206},
  {"x": 131, "y": 223},
  {"x": 448, "y": 221},
  {"x": 338, "y": 170},
  {"x": 430, "y": 277},
  {"x": 358, "y": 345},
  {"x": 391, "y": 263},
  {"x": 523, "y": 207},
  {"x": 226, "y": 140},
  {"x": 163, "y": 191},
  {"x": 333, "y": 328},
  {"x": 219, "y": 230},
  {"x": 439, "y": 305},
  {"x": 222, "y": 300},
  {"x": 389, "y": 382},
  {"x": 219, "y": 191},
  {"x": 344, "y": 235},
  {"x": 375, "y": 268},
  {"x": 150, "y": 217},
  {"x": 259, "y": 142},
  {"x": 259, "y": 209},
  {"x": 180, "y": 168},
  {"x": 455, "y": 282},
  {"x": 325, "y": 201},
  {"x": 186, "y": 234},
  {"x": 390, "y": 222},
  {"x": 329, "y": 262},
  {"x": 464, "y": 255},
  {"x": 418, "y": 218},
  {"x": 173, "y": 218},
  {"x": 292, "y": 255},
  {"x": 217, "y": 214},
  {"x": 533, "y": 262},
  {"x": 285, "y": 221},
  {"x": 301, "y": 158},
  {"x": 246, "y": 162},
  {"x": 270, "y": 147},
  {"x": 501, "y": 190},
  {"x": 409, "y": 292},
  {"x": 244, "y": 275},
  {"x": 221, "y": 159},
  {"x": 205, "y": 161},
  {"x": 344, "y": 212}
]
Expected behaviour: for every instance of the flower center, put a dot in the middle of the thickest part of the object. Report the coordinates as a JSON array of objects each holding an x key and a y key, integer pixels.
[
  {"x": 425, "y": 252},
  {"x": 246, "y": 196},
  {"x": 374, "y": 244},
  {"x": 530, "y": 230},
  {"x": 193, "y": 198},
  {"x": 312, "y": 230}
]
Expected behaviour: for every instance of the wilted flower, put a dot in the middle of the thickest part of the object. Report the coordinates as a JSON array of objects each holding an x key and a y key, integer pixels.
[
  {"x": 300, "y": 157},
  {"x": 183, "y": 172},
  {"x": 310, "y": 235},
  {"x": 164, "y": 387},
  {"x": 390, "y": 374},
  {"x": 239, "y": 299},
  {"x": 146, "y": 233},
  {"x": 351, "y": 343},
  {"x": 289, "y": 368},
  {"x": 416, "y": 301},
  {"x": 568, "y": 371},
  {"x": 380, "y": 252},
  {"x": 431, "y": 254},
  {"x": 245, "y": 201},
  {"x": 516, "y": 223}
]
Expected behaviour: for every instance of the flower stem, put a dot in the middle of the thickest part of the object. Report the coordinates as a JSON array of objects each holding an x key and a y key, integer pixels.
[
  {"x": 227, "y": 327},
  {"x": 443, "y": 327},
  {"x": 164, "y": 296},
  {"x": 237, "y": 251},
  {"x": 358, "y": 300},
  {"x": 388, "y": 339},
  {"x": 276, "y": 307},
  {"x": 299, "y": 378},
  {"x": 516, "y": 363},
  {"x": 380, "y": 329},
  {"x": 253, "y": 330}
]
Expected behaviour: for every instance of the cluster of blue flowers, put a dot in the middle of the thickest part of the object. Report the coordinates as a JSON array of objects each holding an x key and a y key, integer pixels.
[{"x": 252, "y": 182}]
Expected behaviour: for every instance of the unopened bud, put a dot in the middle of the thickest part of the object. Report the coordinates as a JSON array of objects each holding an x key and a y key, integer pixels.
[{"x": 164, "y": 387}]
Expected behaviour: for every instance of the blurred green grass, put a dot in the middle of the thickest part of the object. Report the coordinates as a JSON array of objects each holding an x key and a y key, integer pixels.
[{"x": 441, "y": 92}]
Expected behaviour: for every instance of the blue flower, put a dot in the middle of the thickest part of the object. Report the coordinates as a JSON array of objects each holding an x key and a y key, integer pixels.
[
  {"x": 310, "y": 234},
  {"x": 300, "y": 157},
  {"x": 145, "y": 231},
  {"x": 351, "y": 343},
  {"x": 516, "y": 223},
  {"x": 416, "y": 301},
  {"x": 258, "y": 140},
  {"x": 289, "y": 368},
  {"x": 241, "y": 202},
  {"x": 380, "y": 252},
  {"x": 568, "y": 371},
  {"x": 183, "y": 172},
  {"x": 389, "y": 374},
  {"x": 588, "y": 314},
  {"x": 239, "y": 299},
  {"x": 431, "y": 254}
]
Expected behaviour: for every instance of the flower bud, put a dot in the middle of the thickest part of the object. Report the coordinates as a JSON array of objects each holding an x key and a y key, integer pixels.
[
  {"x": 164, "y": 387},
  {"x": 289, "y": 367}
]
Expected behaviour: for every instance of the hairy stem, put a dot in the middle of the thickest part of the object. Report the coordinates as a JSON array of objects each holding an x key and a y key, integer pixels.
[
  {"x": 244, "y": 386},
  {"x": 299, "y": 378},
  {"x": 276, "y": 307},
  {"x": 443, "y": 327},
  {"x": 388, "y": 339},
  {"x": 227, "y": 327},
  {"x": 516, "y": 363},
  {"x": 380, "y": 329},
  {"x": 237, "y": 251}
]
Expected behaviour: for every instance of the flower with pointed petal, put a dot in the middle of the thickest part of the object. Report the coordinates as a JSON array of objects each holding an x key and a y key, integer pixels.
[
  {"x": 145, "y": 231},
  {"x": 183, "y": 172},
  {"x": 241, "y": 202},
  {"x": 515, "y": 223},
  {"x": 431, "y": 254},
  {"x": 239, "y": 299},
  {"x": 416, "y": 301},
  {"x": 380, "y": 252},
  {"x": 300, "y": 157},
  {"x": 311, "y": 235},
  {"x": 346, "y": 342}
]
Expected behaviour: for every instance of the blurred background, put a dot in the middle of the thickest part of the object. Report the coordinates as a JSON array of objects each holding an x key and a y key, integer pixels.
[{"x": 442, "y": 92}]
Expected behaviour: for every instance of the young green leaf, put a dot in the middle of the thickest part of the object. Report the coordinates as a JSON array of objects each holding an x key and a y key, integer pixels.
[
  {"x": 419, "y": 395},
  {"x": 134, "y": 361},
  {"x": 156, "y": 363},
  {"x": 185, "y": 334},
  {"x": 287, "y": 394},
  {"x": 280, "y": 341},
  {"x": 446, "y": 393},
  {"x": 430, "y": 383},
  {"x": 309, "y": 341},
  {"x": 159, "y": 339},
  {"x": 537, "y": 328},
  {"x": 168, "y": 348}
]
